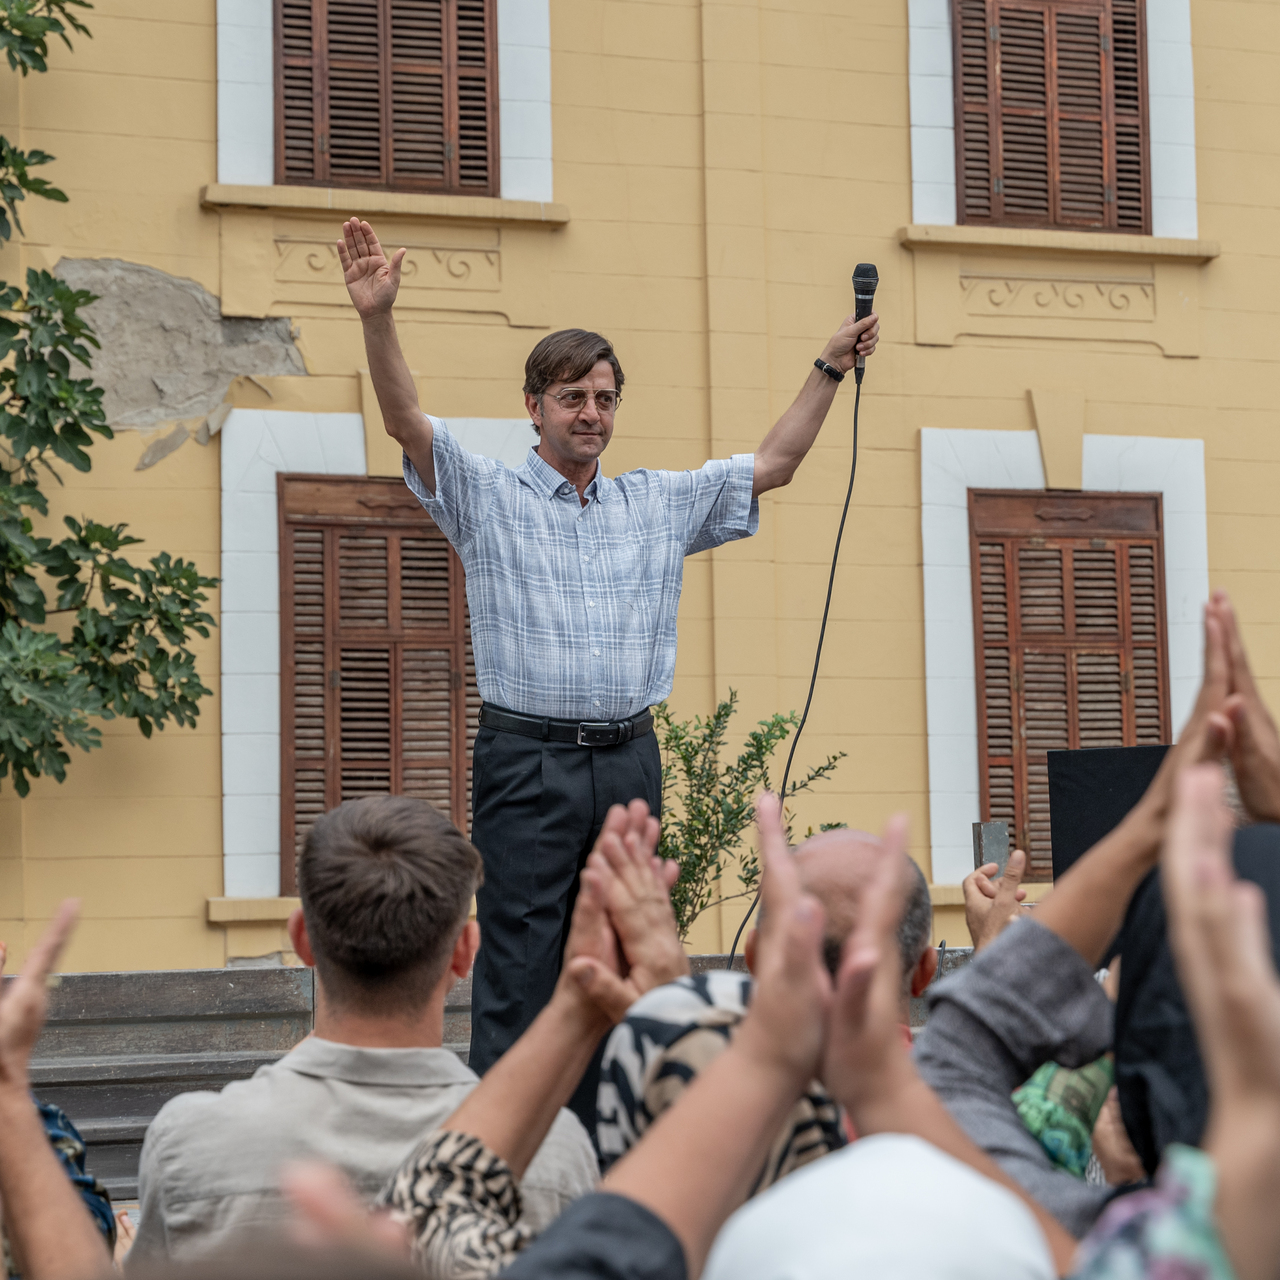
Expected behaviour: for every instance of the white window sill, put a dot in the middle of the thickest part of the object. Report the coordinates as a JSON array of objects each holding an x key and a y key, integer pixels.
[
  {"x": 1040, "y": 240},
  {"x": 349, "y": 200}
]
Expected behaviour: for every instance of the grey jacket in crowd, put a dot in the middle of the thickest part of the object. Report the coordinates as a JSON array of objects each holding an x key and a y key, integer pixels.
[{"x": 1027, "y": 999}]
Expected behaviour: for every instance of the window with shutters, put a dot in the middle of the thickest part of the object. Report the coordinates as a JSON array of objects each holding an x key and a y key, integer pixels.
[
  {"x": 387, "y": 93},
  {"x": 378, "y": 687},
  {"x": 1051, "y": 114},
  {"x": 1069, "y": 620}
]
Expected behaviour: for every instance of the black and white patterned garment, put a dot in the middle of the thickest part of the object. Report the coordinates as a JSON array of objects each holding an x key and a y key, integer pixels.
[
  {"x": 462, "y": 1205},
  {"x": 668, "y": 1036}
]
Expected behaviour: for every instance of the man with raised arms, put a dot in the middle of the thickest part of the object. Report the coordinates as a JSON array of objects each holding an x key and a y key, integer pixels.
[{"x": 573, "y": 582}]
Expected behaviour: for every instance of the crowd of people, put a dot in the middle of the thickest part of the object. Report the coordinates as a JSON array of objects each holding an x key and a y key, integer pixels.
[{"x": 1051, "y": 1118}]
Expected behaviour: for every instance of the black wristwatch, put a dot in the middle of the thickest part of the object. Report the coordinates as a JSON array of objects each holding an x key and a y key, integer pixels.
[{"x": 829, "y": 369}]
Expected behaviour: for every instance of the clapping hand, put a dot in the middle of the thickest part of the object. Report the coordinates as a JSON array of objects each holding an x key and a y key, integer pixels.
[
  {"x": 624, "y": 876},
  {"x": 865, "y": 1060},
  {"x": 785, "y": 1028},
  {"x": 372, "y": 280},
  {"x": 1255, "y": 749},
  {"x": 1219, "y": 937}
]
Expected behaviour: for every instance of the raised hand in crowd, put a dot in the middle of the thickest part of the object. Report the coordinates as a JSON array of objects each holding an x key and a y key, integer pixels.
[
  {"x": 991, "y": 902},
  {"x": 866, "y": 1065},
  {"x": 1255, "y": 747},
  {"x": 698, "y": 1161},
  {"x": 1219, "y": 937},
  {"x": 47, "y": 1225}
]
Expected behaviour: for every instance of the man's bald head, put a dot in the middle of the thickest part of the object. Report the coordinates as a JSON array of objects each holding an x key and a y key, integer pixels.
[{"x": 835, "y": 866}]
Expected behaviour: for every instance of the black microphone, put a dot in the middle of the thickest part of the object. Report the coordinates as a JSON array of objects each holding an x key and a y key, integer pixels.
[{"x": 865, "y": 279}]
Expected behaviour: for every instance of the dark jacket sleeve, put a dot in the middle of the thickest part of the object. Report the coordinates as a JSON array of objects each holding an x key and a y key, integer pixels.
[
  {"x": 1027, "y": 999},
  {"x": 603, "y": 1237}
]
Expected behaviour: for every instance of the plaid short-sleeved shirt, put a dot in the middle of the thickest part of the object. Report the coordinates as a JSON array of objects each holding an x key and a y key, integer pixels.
[{"x": 573, "y": 608}]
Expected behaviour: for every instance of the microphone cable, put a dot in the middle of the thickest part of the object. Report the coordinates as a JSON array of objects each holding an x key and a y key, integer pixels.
[{"x": 817, "y": 657}]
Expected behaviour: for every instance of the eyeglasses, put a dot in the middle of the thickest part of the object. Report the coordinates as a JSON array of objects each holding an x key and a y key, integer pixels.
[{"x": 575, "y": 398}]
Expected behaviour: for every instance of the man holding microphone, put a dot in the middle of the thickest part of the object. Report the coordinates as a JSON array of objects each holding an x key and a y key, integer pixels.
[{"x": 573, "y": 583}]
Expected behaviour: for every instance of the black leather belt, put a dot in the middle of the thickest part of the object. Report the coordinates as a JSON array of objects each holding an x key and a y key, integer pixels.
[{"x": 586, "y": 733}]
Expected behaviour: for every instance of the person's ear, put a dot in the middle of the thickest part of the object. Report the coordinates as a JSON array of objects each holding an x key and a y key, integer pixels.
[
  {"x": 923, "y": 973},
  {"x": 749, "y": 950},
  {"x": 464, "y": 950},
  {"x": 297, "y": 930},
  {"x": 533, "y": 407}
]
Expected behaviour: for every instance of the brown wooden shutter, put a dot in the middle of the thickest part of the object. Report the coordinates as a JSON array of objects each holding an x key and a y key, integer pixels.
[
  {"x": 378, "y": 690},
  {"x": 1069, "y": 622},
  {"x": 1051, "y": 113},
  {"x": 1133, "y": 156},
  {"x": 387, "y": 93}
]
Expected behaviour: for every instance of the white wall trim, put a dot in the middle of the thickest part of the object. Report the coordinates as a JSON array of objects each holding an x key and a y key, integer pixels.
[
  {"x": 246, "y": 97},
  {"x": 951, "y": 463},
  {"x": 932, "y": 93},
  {"x": 246, "y": 92},
  {"x": 1171, "y": 102},
  {"x": 256, "y": 445},
  {"x": 524, "y": 99},
  {"x": 1171, "y": 105}
]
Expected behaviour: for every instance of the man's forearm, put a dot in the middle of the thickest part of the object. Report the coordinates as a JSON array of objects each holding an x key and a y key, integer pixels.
[
  {"x": 1088, "y": 905},
  {"x": 45, "y": 1218},
  {"x": 392, "y": 381},
  {"x": 792, "y": 436},
  {"x": 514, "y": 1106}
]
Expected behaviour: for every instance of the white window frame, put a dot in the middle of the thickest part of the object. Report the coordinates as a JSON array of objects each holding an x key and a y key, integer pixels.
[
  {"x": 246, "y": 96},
  {"x": 1171, "y": 112},
  {"x": 953, "y": 462}
]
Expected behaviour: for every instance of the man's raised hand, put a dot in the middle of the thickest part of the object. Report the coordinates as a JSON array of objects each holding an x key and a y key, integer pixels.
[
  {"x": 854, "y": 338},
  {"x": 990, "y": 903},
  {"x": 25, "y": 1001},
  {"x": 372, "y": 279}
]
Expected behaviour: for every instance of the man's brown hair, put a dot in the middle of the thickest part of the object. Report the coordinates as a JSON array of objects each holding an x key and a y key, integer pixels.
[
  {"x": 385, "y": 884},
  {"x": 566, "y": 356}
]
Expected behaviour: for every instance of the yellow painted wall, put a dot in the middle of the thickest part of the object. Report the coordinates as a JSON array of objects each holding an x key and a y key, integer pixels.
[{"x": 724, "y": 166}]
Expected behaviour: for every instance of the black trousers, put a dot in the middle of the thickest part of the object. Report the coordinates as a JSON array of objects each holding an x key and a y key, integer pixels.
[{"x": 537, "y": 808}]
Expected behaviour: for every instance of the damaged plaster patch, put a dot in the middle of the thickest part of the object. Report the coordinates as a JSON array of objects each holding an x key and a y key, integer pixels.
[{"x": 167, "y": 352}]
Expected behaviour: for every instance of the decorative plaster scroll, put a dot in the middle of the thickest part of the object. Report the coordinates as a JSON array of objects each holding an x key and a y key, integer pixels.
[
  {"x": 985, "y": 290},
  {"x": 284, "y": 262},
  {"x": 1007, "y": 295},
  {"x": 317, "y": 263}
]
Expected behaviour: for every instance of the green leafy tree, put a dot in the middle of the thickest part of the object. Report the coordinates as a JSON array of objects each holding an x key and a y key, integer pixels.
[
  {"x": 26, "y": 27},
  {"x": 126, "y": 651},
  {"x": 707, "y": 805}
]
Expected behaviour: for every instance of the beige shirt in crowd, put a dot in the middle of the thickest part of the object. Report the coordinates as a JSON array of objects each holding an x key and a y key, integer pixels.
[{"x": 211, "y": 1161}]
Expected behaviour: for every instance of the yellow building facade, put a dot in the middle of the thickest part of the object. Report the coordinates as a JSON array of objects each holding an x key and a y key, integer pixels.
[{"x": 696, "y": 180}]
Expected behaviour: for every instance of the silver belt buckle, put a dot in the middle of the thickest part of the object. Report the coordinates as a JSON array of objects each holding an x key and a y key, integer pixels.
[{"x": 585, "y": 726}]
